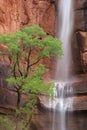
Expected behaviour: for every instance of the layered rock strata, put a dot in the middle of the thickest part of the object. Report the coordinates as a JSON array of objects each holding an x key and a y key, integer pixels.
[{"x": 16, "y": 14}]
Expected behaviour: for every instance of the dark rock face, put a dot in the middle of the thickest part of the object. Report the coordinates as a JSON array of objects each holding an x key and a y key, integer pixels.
[
  {"x": 73, "y": 121},
  {"x": 82, "y": 43},
  {"x": 81, "y": 12},
  {"x": 80, "y": 24},
  {"x": 4, "y": 72},
  {"x": 8, "y": 99}
]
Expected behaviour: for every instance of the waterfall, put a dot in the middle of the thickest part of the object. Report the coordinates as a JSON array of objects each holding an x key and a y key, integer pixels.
[{"x": 64, "y": 31}]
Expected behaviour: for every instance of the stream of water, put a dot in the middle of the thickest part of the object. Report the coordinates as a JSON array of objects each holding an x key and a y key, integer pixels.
[
  {"x": 64, "y": 33},
  {"x": 63, "y": 72}
]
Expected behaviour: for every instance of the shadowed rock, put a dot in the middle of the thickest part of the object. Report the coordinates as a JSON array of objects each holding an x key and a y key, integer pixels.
[{"x": 82, "y": 43}]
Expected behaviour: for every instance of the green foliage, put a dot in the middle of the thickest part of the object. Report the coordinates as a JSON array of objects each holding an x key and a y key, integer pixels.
[
  {"x": 27, "y": 47},
  {"x": 6, "y": 123},
  {"x": 33, "y": 84},
  {"x": 25, "y": 50}
]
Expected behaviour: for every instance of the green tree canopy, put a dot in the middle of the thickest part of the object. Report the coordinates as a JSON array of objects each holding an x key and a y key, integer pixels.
[{"x": 25, "y": 50}]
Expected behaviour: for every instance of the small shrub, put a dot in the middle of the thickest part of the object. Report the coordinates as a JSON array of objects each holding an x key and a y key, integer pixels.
[{"x": 6, "y": 123}]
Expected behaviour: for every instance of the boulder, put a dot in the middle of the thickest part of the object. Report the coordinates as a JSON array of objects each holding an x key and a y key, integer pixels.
[{"x": 8, "y": 100}]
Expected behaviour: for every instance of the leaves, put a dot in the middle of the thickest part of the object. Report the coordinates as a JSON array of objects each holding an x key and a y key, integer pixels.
[
  {"x": 6, "y": 123},
  {"x": 25, "y": 50},
  {"x": 34, "y": 31},
  {"x": 52, "y": 47}
]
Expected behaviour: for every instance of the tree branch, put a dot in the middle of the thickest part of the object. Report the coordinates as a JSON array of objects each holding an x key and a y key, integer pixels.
[
  {"x": 28, "y": 62},
  {"x": 34, "y": 63},
  {"x": 14, "y": 70},
  {"x": 19, "y": 66},
  {"x": 28, "y": 59}
]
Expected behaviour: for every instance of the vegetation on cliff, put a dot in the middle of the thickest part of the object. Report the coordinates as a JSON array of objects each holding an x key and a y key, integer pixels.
[{"x": 25, "y": 50}]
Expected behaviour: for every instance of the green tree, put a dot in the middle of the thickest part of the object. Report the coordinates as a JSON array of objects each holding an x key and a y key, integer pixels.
[{"x": 25, "y": 50}]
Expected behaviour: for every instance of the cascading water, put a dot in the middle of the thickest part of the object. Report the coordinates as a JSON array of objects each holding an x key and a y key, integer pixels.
[
  {"x": 63, "y": 74},
  {"x": 64, "y": 32}
]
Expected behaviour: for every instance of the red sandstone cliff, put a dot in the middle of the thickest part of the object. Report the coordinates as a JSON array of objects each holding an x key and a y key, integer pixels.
[{"x": 15, "y": 14}]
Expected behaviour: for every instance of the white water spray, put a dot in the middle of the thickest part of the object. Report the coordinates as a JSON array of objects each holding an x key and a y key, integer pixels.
[{"x": 63, "y": 74}]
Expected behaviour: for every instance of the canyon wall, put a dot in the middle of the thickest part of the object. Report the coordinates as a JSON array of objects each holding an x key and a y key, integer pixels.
[
  {"x": 80, "y": 25},
  {"x": 15, "y": 14}
]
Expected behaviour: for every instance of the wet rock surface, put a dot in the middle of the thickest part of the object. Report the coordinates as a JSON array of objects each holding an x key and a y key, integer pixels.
[
  {"x": 74, "y": 91},
  {"x": 73, "y": 121}
]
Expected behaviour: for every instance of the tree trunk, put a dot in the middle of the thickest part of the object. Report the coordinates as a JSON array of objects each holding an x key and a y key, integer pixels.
[
  {"x": 17, "y": 116},
  {"x": 18, "y": 99}
]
